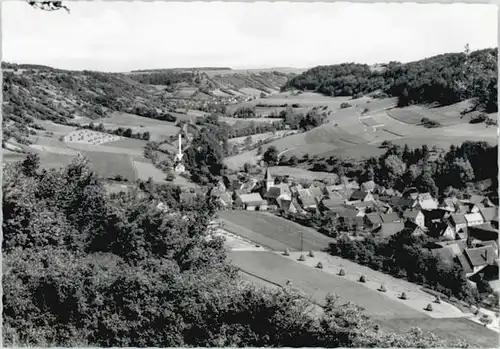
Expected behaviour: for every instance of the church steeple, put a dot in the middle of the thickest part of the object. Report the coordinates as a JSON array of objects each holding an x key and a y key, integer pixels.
[{"x": 269, "y": 179}]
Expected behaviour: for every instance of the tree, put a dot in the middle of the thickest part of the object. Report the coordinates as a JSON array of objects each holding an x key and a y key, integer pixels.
[
  {"x": 270, "y": 156},
  {"x": 31, "y": 164}
]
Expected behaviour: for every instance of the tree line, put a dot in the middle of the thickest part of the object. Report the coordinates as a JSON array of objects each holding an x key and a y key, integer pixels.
[
  {"x": 436, "y": 171},
  {"x": 444, "y": 79}
]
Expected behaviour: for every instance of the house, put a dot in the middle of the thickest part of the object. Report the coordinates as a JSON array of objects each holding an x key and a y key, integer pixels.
[
  {"x": 415, "y": 216},
  {"x": 492, "y": 243},
  {"x": 489, "y": 274},
  {"x": 251, "y": 202},
  {"x": 368, "y": 186},
  {"x": 362, "y": 206},
  {"x": 415, "y": 229},
  {"x": 489, "y": 213},
  {"x": 448, "y": 204},
  {"x": 225, "y": 200},
  {"x": 476, "y": 199},
  {"x": 372, "y": 220},
  {"x": 483, "y": 232},
  {"x": 390, "y": 218},
  {"x": 331, "y": 203},
  {"x": 425, "y": 201},
  {"x": 435, "y": 217},
  {"x": 290, "y": 206},
  {"x": 316, "y": 192},
  {"x": 479, "y": 257},
  {"x": 445, "y": 231},
  {"x": 294, "y": 189},
  {"x": 231, "y": 182},
  {"x": 474, "y": 219},
  {"x": 410, "y": 193},
  {"x": 349, "y": 220},
  {"x": 402, "y": 203},
  {"x": 274, "y": 192},
  {"x": 250, "y": 185},
  {"x": 360, "y": 195},
  {"x": 458, "y": 222},
  {"x": 306, "y": 200},
  {"x": 386, "y": 230}
]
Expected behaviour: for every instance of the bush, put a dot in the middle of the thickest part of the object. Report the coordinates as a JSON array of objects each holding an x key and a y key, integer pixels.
[
  {"x": 438, "y": 300},
  {"x": 403, "y": 296},
  {"x": 382, "y": 288},
  {"x": 311, "y": 254},
  {"x": 319, "y": 265},
  {"x": 362, "y": 279},
  {"x": 341, "y": 272},
  {"x": 302, "y": 258},
  {"x": 286, "y": 253},
  {"x": 477, "y": 119},
  {"x": 428, "y": 307},
  {"x": 344, "y": 105},
  {"x": 426, "y": 122}
]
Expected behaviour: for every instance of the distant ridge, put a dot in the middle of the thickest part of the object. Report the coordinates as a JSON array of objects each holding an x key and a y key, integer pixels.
[{"x": 178, "y": 69}]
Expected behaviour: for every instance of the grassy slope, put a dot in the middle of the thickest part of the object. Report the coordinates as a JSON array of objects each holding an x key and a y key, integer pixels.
[{"x": 274, "y": 232}]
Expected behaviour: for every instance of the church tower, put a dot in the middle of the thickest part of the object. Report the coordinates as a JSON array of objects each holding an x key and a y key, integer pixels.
[
  {"x": 269, "y": 179},
  {"x": 179, "y": 167}
]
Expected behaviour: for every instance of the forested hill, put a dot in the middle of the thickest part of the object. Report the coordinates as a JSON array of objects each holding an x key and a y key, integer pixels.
[
  {"x": 443, "y": 79},
  {"x": 32, "y": 92}
]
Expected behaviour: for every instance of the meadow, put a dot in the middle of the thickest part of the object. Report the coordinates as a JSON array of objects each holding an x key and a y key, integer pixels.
[{"x": 272, "y": 231}]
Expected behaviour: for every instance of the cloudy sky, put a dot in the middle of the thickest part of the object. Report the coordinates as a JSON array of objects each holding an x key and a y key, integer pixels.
[{"x": 121, "y": 36}]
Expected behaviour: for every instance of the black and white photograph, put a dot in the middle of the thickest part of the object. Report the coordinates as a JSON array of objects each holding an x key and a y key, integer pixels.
[{"x": 249, "y": 174}]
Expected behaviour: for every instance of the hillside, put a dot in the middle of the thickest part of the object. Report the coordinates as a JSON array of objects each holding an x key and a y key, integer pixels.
[
  {"x": 34, "y": 92},
  {"x": 444, "y": 79}
]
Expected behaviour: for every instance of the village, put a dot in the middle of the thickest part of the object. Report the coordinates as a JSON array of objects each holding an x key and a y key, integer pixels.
[{"x": 465, "y": 229}]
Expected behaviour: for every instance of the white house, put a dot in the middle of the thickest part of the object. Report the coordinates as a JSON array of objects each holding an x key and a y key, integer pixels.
[{"x": 473, "y": 219}]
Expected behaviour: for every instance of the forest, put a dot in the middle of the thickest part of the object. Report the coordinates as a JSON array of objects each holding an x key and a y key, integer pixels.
[{"x": 444, "y": 79}]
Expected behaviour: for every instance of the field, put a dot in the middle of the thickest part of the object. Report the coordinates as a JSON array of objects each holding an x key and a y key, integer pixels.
[
  {"x": 389, "y": 313},
  {"x": 146, "y": 170},
  {"x": 111, "y": 166},
  {"x": 159, "y": 130},
  {"x": 358, "y": 131},
  {"x": 298, "y": 174},
  {"x": 271, "y": 231}
]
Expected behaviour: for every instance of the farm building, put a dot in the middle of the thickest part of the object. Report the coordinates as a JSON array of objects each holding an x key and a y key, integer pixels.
[
  {"x": 372, "y": 220},
  {"x": 458, "y": 222},
  {"x": 232, "y": 182},
  {"x": 251, "y": 202}
]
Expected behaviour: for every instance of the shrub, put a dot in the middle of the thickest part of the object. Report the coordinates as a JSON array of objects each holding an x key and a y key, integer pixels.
[
  {"x": 311, "y": 254},
  {"x": 403, "y": 296},
  {"x": 319, "y": 265},
  {"x": 477, "y": 119},
  {"x": 438, "y": 300},
  {"x": 344, "y": 105},
  {"x": 428, "y": 307},
  {"x": 382, "y": 288},
  {"x": 302, "y": 258},
  {"x": 341, "y": 272},
  {"x": 362, "y": 279},
  {"x": 286, "y": 253},
  {"x": 366, "y": 110}
]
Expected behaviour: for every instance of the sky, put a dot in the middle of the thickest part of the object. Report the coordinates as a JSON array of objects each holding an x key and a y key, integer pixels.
[{"x": 123, "y": 36}]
